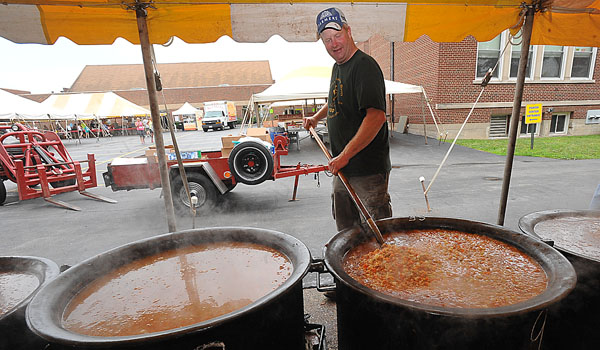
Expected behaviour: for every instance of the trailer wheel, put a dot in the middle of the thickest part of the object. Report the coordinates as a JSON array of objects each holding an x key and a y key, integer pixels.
[
  {"x": 200, "y": 186},
  {"x": 251, "y": 163},
  {"x": 2, "y": 192}
]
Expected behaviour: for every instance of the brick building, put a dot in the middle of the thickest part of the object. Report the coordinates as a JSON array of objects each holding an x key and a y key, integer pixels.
[
  {"x": 194, "y": 82},
  {"x": 562, "y": 79}
]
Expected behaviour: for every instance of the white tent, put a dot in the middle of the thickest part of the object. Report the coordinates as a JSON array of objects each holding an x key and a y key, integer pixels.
[
  {"x": 95, "y": 105},
  {"x": 313, "y": 82},
  {"x": 16, "y": 107},
  {"x": 186, "y": 109},
  {"x": 311, "y": 85}
]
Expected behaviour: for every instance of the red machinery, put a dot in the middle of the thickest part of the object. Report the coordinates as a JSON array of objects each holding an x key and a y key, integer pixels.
[
  {"x": 31, "y": 158},
  {"x": 213, "y": 175}
]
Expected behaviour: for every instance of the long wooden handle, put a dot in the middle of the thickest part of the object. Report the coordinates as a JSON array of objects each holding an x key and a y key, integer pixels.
[{"x": 361, "y": 207}]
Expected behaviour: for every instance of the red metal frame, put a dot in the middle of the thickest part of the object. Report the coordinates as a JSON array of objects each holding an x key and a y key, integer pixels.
[
  {"x": 40, "y": 158},
  {"x": 281, "y": 144}
]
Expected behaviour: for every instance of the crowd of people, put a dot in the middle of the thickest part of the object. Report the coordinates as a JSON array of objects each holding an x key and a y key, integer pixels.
[{"x": 82, "y": 129}]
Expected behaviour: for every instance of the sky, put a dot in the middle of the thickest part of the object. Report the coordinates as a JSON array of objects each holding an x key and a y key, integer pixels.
[{"x": 50, "y": 68}]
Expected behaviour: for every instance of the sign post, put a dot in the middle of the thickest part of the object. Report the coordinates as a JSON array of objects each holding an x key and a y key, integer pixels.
[{"x": 533, "y": 115}]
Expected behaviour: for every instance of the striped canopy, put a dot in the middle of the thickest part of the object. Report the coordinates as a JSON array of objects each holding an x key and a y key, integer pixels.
[
  {"x": 94, "y": 105},
  {"x": 561, "y": 22}
]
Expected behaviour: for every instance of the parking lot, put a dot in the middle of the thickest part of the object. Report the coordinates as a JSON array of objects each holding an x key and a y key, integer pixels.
[{"x": 469, "y": 187}]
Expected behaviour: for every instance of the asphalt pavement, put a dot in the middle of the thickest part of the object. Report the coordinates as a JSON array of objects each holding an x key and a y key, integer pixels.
[{"x": 468, "y": 187}]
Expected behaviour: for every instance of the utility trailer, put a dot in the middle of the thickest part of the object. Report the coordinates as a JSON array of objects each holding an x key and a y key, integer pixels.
[{"x": 212, "y": 175}]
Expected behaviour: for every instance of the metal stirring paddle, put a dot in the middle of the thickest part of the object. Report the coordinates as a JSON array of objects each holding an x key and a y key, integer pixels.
[{"x": 361, "y": 207}]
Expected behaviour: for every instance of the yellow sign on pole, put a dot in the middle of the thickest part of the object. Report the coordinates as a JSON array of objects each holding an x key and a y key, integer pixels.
[{"x": 533, "y": 114}]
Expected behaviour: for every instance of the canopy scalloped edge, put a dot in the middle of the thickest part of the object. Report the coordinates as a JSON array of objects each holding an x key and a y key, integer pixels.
[{"x": 257, "y": 22}]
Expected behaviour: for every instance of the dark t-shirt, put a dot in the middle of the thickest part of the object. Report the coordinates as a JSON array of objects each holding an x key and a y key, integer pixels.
[{"x": 356, "y": 85}]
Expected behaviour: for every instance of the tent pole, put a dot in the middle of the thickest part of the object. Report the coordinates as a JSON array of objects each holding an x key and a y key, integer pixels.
[
  {"x": 424, "y": 120},
  {"x": 516, "y": 112},
  {"x": 99, "y": 130},
  {"x": 392, "y": 63},
  {"x": 141, "y": 14}
]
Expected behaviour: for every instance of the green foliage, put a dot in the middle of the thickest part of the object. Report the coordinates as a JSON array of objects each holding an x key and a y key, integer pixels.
[{"x": 559, "y": 147}]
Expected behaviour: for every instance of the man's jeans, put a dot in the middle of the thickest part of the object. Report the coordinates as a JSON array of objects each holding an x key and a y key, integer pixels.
[{"x": 372, "y": 191}]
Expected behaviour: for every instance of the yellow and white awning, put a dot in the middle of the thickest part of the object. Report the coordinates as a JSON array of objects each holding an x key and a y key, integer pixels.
[
  {"x": 563, "y": 22},
  {"x": 94, "y": 105}
]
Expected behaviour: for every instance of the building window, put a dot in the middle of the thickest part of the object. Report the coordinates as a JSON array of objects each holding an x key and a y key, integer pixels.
[
  {"x": 558, "y": 124},
  {"x": 488, "y": 54},
  {"x": 582, "y": 62},
  {"x": 528, "y": 129},
  {"x": 515, "y": 57},
  {"x": 552, "y": 64}
]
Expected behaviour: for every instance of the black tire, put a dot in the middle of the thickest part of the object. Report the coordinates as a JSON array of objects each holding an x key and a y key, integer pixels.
[
  {"x": 251, "y": 163},
  {"x": 205, "y": 129},
  {"x": 232, "y": 125},
  {"x": 201, "y": 186},
  {"x": 2, "y": 192}
]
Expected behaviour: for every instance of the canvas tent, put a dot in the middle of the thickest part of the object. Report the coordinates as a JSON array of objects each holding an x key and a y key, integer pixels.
[
  {"x": 543, "y": 22},
  {"x": 94, "y": 105},
  {"x": 312, "y": 83},
  {"x": 186, "y": 109},
  {"x": 16, "y": 107},
  {"x": 88, "y": 106}
]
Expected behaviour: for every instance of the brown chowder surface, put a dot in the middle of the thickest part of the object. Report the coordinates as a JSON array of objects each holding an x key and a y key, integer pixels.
[
  {"x": 14, "y": 288},
  {"x": 176, "y": 288},
  {"x": 447, "y": 268},
  {"x": 580, "y": 235}
]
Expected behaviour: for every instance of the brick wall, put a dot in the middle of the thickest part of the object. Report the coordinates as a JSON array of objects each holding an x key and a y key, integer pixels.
[{"x": 447, "y": 72}]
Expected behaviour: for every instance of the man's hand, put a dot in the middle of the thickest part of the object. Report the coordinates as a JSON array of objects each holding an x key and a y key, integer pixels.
[
  {"x": 337, "y": 163},
  {"x": 308, "y": 122}
]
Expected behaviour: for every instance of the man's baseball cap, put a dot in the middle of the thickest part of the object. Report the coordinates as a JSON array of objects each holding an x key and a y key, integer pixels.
[{"x": 330, "y": 18}]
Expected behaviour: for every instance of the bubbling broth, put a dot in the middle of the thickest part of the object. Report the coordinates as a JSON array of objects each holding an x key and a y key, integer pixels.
[
  {"x": 176, "y": 288},
  {"x": 14, "y": 288},
  {"x": 447, "y": 268},
  {"x": 580, "y": 235}
]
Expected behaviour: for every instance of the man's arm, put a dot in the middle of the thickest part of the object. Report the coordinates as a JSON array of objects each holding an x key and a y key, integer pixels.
[{"x": 367, "y": 131}]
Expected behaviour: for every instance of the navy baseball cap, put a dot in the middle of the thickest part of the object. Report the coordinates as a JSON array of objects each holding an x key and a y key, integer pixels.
[{"x": 330, "y": 18}]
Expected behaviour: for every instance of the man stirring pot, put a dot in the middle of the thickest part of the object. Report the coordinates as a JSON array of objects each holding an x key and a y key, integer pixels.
[{"x": 356, "y": 123}]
